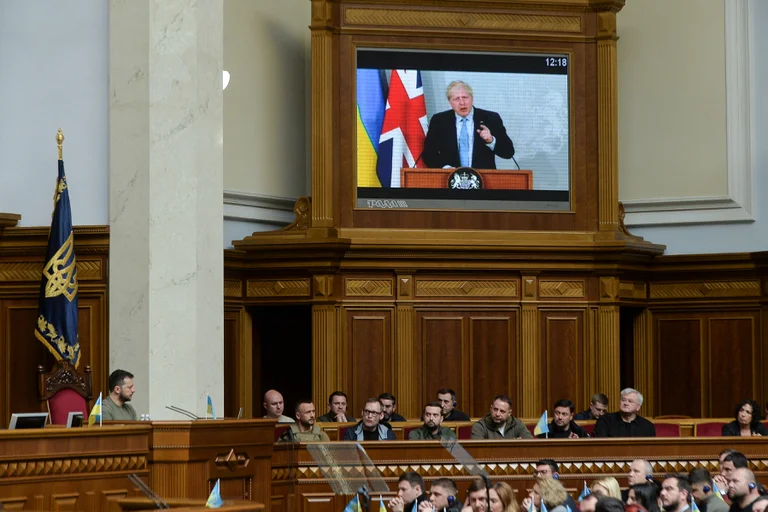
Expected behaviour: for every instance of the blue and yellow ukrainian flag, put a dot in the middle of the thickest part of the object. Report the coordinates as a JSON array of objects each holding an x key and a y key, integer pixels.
[
  {"x": 382, "y": 508},
  {"x": 586, "y": 492},
  {"x": 214, "y": 499},
  {"x": 371, "y": 104},
  {"x": 717, "y": 491},
  {"x": 353, "y": 505},
  {"x": 542, "y": 427},
  {"x": 211, "y": 410},
  {"x": 57, "y": 315},
  {"x": 95, "y": 412}
]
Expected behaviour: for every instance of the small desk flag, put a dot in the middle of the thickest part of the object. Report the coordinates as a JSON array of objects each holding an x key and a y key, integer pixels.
[
  {"x": 542, "y": 427},
  {"x": 586, "y": 492},
  {"x": 353, "y": 505},
  {"x": 717, "y": 491},
  {"x": 214, "y": 499},
  {"x": 95, "y": 412},
  {"x": 382, "y": 508},
  {"x": 211, "y": 411}
]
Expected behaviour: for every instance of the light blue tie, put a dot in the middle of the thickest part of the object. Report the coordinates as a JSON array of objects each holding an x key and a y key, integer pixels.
[{"x": 464, "y": 144}]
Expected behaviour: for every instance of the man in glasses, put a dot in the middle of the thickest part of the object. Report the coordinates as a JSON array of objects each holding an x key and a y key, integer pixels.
[{"x": 370, "y": 427}]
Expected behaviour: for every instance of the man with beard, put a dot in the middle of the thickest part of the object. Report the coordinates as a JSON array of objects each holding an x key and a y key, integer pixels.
[
  {"x": 562, "y": 425},
  {"x": 742, "y": 489},
  {"x": 431, "y": 430},
  {"x": 442, "y": 497},
  {"x": 410, "y": 492},
  {"x": 626, "y": 422},
  {"x": 675, "y": 493},
  {"x": 499, "y": 422},
  {"x": 388, "y": 407},
  {"x": 305, "y": 428},
  {"x": 370, "y": 427},
  {"x": 116, "y": 406}
]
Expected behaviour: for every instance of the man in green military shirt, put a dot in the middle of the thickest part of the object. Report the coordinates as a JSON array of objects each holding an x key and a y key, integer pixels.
[
  {"x": 431, "y": 430},
  {"x": 116, "y": 406},
  {"x": 305, "y": 428}
]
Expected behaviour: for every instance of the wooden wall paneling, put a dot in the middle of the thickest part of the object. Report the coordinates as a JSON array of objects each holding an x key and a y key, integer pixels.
[
  {"x": 406, "y": 381},
  {"x": 443, "y": 352},
  {"x": 563, "y": 332},
  {"x": 369, "y": 335},
  {"x": 328, "y": 354},
  {"x": 529, "y": 368},
  {"x": 733, "y": 361},
  {"x": 238, "y": 362},
  {"x": 678, "y": 347},
  {"x": 493, "y": 352},
  {"x": 643, "y": 359}
]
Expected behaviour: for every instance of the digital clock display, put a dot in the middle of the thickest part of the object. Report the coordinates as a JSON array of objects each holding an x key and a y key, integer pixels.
[{"x": 556, "y": 62}]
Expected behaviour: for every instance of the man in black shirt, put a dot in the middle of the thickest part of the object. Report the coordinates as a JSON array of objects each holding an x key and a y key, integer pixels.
[
  {"x": 626, "y": 422},
  {"x": 742, "y": 489},
  {"x": 562, "y": 425},
  {"x": 597, "y": 408},
  {"x": 447, "y": 399},
  {"x": 442, "y": 497}
]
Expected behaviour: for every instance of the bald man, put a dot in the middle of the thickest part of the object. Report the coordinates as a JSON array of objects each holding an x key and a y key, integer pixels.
[
  {"x": 274, "y": 405},
  {"x": 742, "y": 489}
]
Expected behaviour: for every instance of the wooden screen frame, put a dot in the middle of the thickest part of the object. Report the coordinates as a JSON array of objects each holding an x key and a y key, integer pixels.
[{"x": 544, "y": 26}]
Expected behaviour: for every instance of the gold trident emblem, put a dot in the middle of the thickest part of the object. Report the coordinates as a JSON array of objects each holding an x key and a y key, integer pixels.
[{"x": 61, "y": 272}]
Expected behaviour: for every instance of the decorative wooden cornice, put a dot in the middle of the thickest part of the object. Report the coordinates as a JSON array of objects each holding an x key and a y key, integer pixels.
[{"x": 9, "y": 220}]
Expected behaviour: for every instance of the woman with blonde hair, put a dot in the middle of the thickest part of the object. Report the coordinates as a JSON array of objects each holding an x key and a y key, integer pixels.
[
  {"x": 549, "y": 491},
  {"x": 503, "y": 498},
  {"x": 607, "y": 487}
]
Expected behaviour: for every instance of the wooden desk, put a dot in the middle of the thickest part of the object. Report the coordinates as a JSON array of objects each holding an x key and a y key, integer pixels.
[
  {"x": 189, "y": 456},
  {"x": 184, "y": 505},
  {"x": 298, "y": 484},
  {"x": 71, "y": 469}
]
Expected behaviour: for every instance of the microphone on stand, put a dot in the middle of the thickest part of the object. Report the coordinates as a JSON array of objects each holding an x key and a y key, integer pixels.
[{"x": 182, "y": 411}]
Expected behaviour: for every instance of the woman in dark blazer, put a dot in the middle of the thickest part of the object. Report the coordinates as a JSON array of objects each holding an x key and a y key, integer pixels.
[{"x": 747, "y": 421}]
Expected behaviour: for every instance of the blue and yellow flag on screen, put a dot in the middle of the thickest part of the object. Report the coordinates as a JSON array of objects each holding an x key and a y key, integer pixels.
[
  {"x": 57, "y": 316},
  {"x": 371, "y": 104}
]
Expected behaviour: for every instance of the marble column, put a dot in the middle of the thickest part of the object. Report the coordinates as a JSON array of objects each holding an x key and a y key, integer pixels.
[{"x": 166, "y": 185}]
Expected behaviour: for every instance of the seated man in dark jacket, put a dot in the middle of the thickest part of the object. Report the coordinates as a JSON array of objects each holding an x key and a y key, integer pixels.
[
  {"x": 442, "y": 497},
  {"x": 562, "y": 424},
  {"x": 370, "y": 427},
  {"x": 626, "y": 422},
  {"x": 410, "y": 492}
]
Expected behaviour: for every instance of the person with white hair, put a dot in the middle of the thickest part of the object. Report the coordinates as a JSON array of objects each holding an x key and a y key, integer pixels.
[{"x": 626, "y": 422}]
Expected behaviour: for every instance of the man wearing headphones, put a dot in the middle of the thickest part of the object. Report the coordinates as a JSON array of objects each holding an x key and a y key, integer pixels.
[
  {"x": 447, "y": 399},
  {"x": 442, "y": 497},
  {"x": 742, "y": 489},
  {"x": 675, "y": 493},
  {"x": 703, "y": 493}
]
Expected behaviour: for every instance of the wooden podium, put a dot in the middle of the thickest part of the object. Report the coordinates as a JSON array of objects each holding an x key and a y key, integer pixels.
[
  {"x": 189, "y": 456},
  {"x": 493, "y": 179}
]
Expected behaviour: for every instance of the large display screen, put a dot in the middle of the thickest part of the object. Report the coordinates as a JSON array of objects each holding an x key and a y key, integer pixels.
[{"x": 462, "y": 130}]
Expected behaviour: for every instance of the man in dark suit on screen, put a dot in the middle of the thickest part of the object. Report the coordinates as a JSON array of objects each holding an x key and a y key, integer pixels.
[{"x": 465, "y": 136}]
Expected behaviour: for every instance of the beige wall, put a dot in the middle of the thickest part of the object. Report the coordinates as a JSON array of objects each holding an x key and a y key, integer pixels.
[
  {"x": 266, "y": 106},
  {"x": 672, "y": 133}
]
